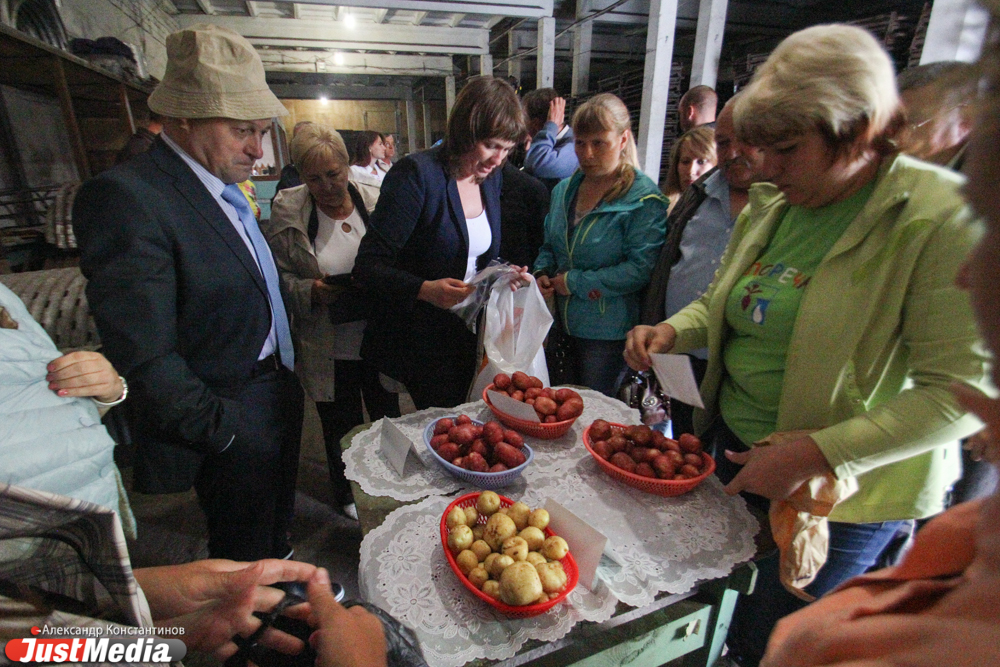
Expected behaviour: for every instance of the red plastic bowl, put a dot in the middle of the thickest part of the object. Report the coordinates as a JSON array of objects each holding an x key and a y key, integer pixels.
[
  {"x": 659, "y": 487},
  {"x": 526, "y": 611},
  {"x": 534, "y": 429}
]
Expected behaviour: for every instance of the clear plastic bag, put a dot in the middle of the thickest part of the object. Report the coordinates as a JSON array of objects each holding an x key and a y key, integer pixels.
[{"x": 473, "y": 304}]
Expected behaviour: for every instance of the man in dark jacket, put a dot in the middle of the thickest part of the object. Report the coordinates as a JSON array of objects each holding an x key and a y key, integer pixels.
[{"x": 698, "y": 231}]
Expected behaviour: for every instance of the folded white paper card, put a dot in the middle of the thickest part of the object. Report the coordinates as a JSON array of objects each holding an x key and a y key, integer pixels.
[
  {"x": 395, "y": 446},
  {"x": 677, "y": 378},
  {"x": 586, "y": 543},
  {"x": 505, "y": 403}
]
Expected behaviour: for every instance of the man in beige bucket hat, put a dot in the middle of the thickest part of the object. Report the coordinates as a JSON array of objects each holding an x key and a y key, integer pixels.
[{"x": 185, "y": 295}]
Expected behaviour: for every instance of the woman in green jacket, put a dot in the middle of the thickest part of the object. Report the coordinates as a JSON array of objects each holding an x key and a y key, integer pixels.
[
  {"x": 834, "y": 312},
  {"x": 603, "y": 232}
]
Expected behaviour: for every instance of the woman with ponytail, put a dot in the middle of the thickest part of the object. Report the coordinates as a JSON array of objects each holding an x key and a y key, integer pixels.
[{"x": 603, "y": 232}]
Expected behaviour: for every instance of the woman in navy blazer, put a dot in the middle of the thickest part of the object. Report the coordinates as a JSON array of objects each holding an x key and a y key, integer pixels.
[{"x": 415, "y": 258}]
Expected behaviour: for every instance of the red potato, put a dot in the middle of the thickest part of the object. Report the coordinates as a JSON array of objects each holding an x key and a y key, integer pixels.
[
  {"x": 602, "y": 449},
  {"x": 443, "y": 426},
  {"x": 517, "y": 395},
  {"x": 645, "y": 470},
  {"x": 564, "y": 394},
  {"x": 659, "y": 441},
  {"x": 477, "y": 431},
  {"x": 550, "y": 419},
  {"x": 501, "y": 381},
  {"x": 671, "y": 445},
  {"x": 508, "y": 455},
  {"x": 534, "y": 383},
  {"x": 599, "y": 430},
  {"x": 449, "y": 451},
  {"x": 532, "y": 392},
  {"x": 617, "y": 443},
  {"x": 570, "y": 409},
  {"x": 513, "y": 438},
  {"x": 689, "y": 443},
  {"x": 476, "y": 463},
  {"x": 641, "y": 435},
  {"x": 530, "y": 401},
  {"x": 462, "y": 434},
  {"x": 479, "y": 447},
  {"x": 462, "y": 420},
  {"x": 492, "y": 432},
  {"x": 438, "y": 440},
  {"x": 623, "y": 461},
  {"x": 498, "y": 467},
  {"x": 676, "y": 457},
  {"x": 689, "y": 471},
  {"x": 693, "y": 459},
  {"x": 545, "y": 406},
  {"x": 521, "y": 380},
  {"x": 459, "y": 461},
  {"x": 663, "y": 466},
  {"x": 549, "y": 392}
]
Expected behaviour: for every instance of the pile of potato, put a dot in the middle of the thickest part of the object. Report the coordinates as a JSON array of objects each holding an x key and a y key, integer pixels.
[
  {"x": 508, "y": 558},
  {"x": 486, "y": 448},
  {"x": 646, "y": 452},
  {"x": 551, "y": 405}
]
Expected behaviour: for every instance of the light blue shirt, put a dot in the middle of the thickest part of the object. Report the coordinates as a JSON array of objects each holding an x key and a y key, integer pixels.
[
  {"x": 704, "y": 240},
  {"x": 215, "y": 186},
  {"x": 48, "y": 442}
]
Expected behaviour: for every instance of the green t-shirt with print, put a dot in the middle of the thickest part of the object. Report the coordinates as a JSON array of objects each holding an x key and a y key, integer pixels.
[{"x": 762, "y": 307}]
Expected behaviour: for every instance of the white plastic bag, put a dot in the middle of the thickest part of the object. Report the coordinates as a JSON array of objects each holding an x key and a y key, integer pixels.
[{"x": 517, "y": 323}]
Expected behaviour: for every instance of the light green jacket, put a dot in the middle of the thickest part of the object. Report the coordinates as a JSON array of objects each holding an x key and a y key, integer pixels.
[{"x": 881, "y": 333}]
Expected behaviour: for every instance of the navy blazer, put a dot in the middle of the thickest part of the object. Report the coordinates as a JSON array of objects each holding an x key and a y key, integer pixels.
[
  {"x": 417, "y": 232},
  {"x": 180, "y": 305}
]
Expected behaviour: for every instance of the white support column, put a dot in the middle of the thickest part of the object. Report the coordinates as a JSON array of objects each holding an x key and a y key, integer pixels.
[
  {"x": 955, "y": 32},
  {"x": 656, "y": 84},
  {"x": 514, "y": 64},
  {"x": 411, "y": 126},
  {"x": 449, "y": 93},
  {"x": 582, "y": 42},
  {"x": 546, "y": 56},
  {"x": 427, "y": 123},
  {"x": 486, "y": 65},
  {"x": 708, "y": 42}
]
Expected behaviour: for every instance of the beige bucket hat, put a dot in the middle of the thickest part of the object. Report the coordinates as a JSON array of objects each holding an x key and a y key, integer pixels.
[{"x": 213, "y": 72}]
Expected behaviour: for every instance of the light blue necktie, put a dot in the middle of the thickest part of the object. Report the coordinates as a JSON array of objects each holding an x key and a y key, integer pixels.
[{"x": 234, "y": 196}]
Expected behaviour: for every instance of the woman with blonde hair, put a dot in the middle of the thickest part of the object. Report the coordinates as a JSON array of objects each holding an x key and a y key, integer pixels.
[
  {"x": 692, "y": 155},
  {"x": 314, "y": 233},
  {"x": 834, "y": 326},
  {"x": 603, "y": 232}
]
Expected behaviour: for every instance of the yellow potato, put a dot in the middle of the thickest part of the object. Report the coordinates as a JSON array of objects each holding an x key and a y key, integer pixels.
[
  {"x": 519, "y": 512},
  {"x": 516, "y": 548},
  {"x": 552, "y": 576},
  {"x": 460, "y": 538},
  {"x": 539, "y": 519},
  {"x": 488, "y": 561},
  {"x": 478, "y": 530},
  {"x": 466, "y": 561},
  {"x": 500, "y": 563},
  {"x": 498, "y": 528},
  {"x": 456, "y": 517},
  {"x": 488, "y": 503},
  {"x": 520, "y": 585},
  {"x": 534, "y": 537},
  {"x": 471, "y": 516},
  {"x": 481, "y": 549},
  {"x": 555, "y": 548},
  {"x": 478, "y": 576},
  {"x": 492, "y": 588},
  {"x": 535, "y": 558}
]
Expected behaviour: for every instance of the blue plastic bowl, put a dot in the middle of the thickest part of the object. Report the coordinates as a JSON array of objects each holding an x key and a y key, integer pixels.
[{"x": 484, "y": 480}]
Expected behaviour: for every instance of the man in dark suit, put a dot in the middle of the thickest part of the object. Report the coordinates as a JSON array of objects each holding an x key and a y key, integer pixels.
[{"x": 185, "y": 295}]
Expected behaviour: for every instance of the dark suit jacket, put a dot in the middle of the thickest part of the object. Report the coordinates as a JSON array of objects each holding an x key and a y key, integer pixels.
[
  {"x": 417, "y": 232},
  {"x": 524, "y": 203},
  {"x": 180, "y": 305}
]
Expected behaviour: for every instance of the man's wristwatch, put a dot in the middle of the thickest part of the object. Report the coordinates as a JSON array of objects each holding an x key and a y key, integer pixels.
[{"x": 119, "y": 399}]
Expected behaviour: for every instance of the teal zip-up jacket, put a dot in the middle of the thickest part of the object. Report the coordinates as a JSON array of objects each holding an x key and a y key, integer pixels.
[{"x": 608, "y": 258}]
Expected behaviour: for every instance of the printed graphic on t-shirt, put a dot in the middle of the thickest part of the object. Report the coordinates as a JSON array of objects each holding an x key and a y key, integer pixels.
[{"x": 757, "y": 295}]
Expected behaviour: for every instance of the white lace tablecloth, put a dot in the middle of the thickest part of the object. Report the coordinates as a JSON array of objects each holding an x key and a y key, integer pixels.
[
  {"x": 404, "y": 571},
  {"x": 655, "y": 544},
  {"x": 367, "y": 467}
]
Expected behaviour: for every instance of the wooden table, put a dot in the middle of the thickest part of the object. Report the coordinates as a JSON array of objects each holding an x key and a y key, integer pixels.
[{"x": 689, "y": 628}]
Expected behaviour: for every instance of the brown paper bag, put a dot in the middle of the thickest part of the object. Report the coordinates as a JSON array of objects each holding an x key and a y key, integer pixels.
[{"x": 799, "y": 523}]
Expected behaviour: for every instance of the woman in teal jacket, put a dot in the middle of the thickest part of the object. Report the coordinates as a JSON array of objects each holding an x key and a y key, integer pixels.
[{"x": 602, "y": 236}]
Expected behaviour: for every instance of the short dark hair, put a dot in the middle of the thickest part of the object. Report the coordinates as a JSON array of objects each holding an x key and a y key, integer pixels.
[
  {"x": 699, "y": 97},
  {"x": 536, "y": 103},
  {"x": 363, "y": 147},
  {"x": 487, "y": 108}
]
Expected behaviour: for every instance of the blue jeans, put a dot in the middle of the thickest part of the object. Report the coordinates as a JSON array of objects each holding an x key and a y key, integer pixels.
[
  {"x": 854, "y": 548},
  {"x": 597, "y": 363}
]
